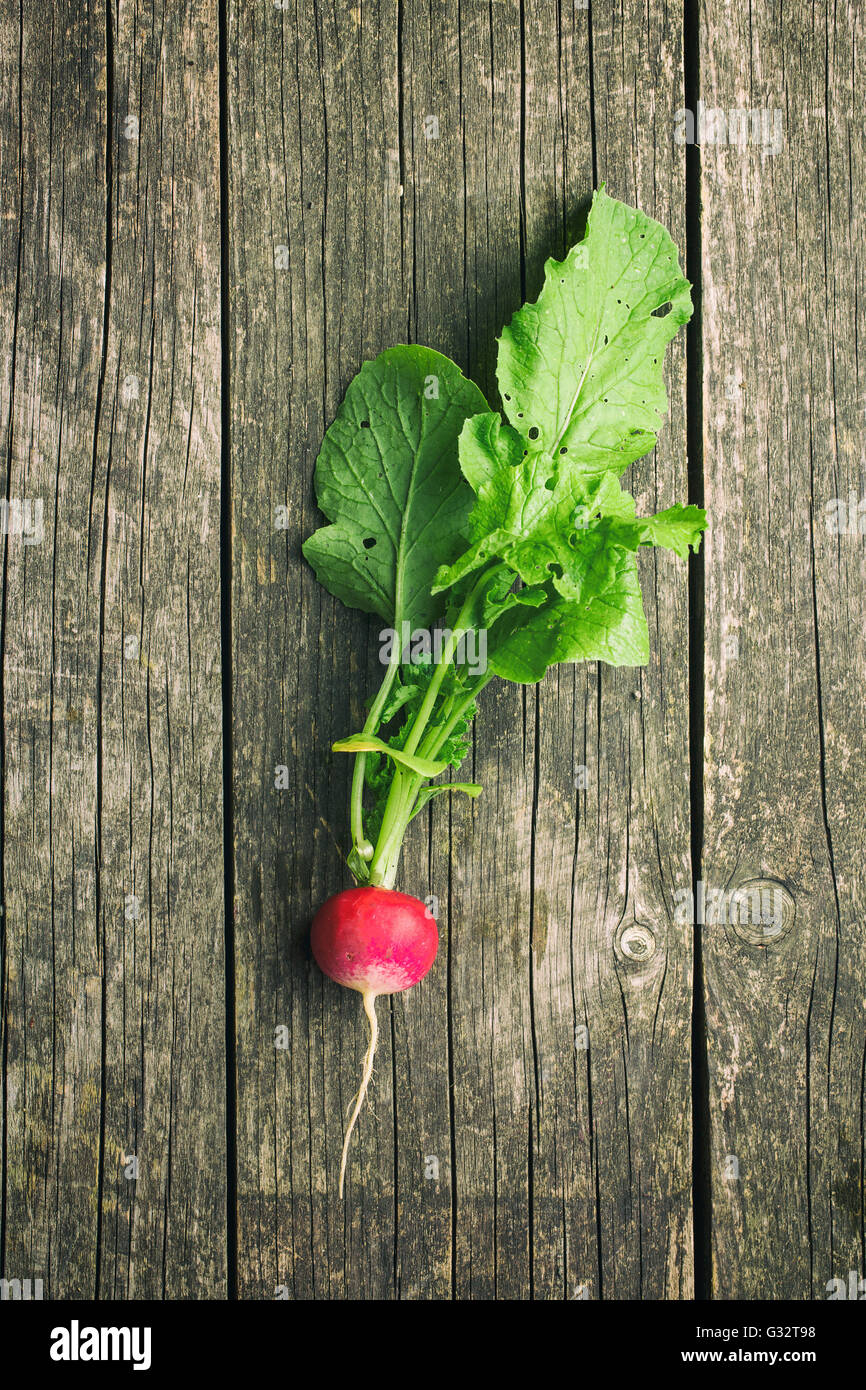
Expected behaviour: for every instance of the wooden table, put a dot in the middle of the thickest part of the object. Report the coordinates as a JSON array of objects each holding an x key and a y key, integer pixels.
[{"x": 211, "y": 216}]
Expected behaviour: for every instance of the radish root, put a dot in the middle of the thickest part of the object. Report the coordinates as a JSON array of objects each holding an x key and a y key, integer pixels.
[{"x": 369, "y": 997}]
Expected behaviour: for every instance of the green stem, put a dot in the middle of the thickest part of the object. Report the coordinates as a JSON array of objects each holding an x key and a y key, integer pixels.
[
  {"x": 356, "y": 799},
  {"x": 405, "y": 786},
  {"x": 405, "y": 809},
  {"x": 383, "y": 869},
  {"x": 388, "y": 852},
  {"x": 440, "y": 734},
  {"x": 435, "y": 686}
]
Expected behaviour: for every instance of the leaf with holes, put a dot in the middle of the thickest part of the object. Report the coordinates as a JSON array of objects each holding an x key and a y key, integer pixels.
[
  {"x": 580, "y": 370},
  {"x": 531, "y": 509},
  {"x": 606, "y": 623},
  {"x": 581, "y": 377},
  {"x": 388, "y": 481},
  {"x": 544, "y": 517},
  {"x": 575, "y": 547}
]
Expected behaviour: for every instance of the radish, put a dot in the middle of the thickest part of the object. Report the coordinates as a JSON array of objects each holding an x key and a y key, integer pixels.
[
  {"x": 491, "y": 547},
  {"x": 376, "y": 941}
]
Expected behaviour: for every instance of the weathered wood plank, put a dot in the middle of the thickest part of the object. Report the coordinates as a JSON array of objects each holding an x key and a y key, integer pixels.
[
  {"x": 432, "y": 73},
  {"x": 52, "y": 225},
  {"x": 609, "y": 835},
  {"x": 482, "y": 116},
  {"x": 785, "y": 653},
  {"x": 316, "y": 288},
  {"x": 401, "y": 171},
  {"x": 114, "y": 986},
  {"x": 492, "y": 1059}
]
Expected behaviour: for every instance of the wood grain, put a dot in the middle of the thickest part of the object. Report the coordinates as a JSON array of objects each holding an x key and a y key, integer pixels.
[
  {"x": 536, "y": 1166},
  {"x": 609, "y": 834},
  {"x": 315, "y": 289},
  {"x": 114, "y": 991},
  {"x": 785, "y": 654},
  {"x": 53, "y": 265},
  {"x": 399, "y": 171}
]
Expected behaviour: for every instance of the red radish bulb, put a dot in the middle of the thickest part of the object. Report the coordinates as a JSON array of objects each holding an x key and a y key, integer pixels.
[{"x": 377, "y": 941}]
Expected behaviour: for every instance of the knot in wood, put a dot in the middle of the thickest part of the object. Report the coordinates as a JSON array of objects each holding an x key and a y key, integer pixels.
[
  {"x": 637, "y": 943},
  {"x": 762, "y": 911}
]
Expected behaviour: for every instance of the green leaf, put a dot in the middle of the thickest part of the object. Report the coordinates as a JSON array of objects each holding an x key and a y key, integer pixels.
[
  {"x": 368, "y": 743},
  {"x": 388, "y": 481},
  {"x": 550, "y": 523},
  {"x": 456, "y": 746},
  {"x": 532, "y": 509},
  {"x": 581, "y": 368},
  {"x": 606, "y": 624},
  {"x": 678, "y": 528},
  {"x": 581, "y": 376},
  {"x": 497, "y": 596}
]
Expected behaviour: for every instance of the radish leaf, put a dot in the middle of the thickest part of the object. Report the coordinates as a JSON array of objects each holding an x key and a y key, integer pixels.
[
  {"x": 607, "y": 624},
  {"x": 581, "y": 368},
  {"x": 387, "y": 480},
  {"x": 581, "y": 377},
  {"x": 367, "y": 743},
  {"x": 678, "y": 528},
  {"x": 426, "y": 794}
]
